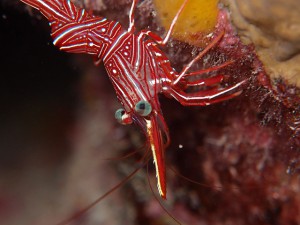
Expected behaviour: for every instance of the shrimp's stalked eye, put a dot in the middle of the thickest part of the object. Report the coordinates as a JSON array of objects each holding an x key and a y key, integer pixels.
[
  {"x": 122, "y": 117},
  {"x": 143, "y": 108}
]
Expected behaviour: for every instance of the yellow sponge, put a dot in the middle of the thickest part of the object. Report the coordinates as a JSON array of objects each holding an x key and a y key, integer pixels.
[{"x": 197, "y": 20}]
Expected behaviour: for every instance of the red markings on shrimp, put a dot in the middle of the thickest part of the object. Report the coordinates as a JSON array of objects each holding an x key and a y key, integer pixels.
[{"x": 138, "y": 68}]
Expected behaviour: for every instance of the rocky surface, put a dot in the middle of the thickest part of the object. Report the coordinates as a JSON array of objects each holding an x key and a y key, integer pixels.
[{"x": 273, "y": 26}]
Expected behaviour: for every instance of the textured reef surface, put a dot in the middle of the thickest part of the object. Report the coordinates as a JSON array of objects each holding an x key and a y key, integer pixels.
[{"x": 61, "y": 147}]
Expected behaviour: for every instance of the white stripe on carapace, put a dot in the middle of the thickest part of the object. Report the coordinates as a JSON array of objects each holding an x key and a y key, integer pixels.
[
  {"x": 83, "y": 13},
  {"x": 123, "y": 85},
  {"x": 126, "y": 101},
  {"x": 70, "y": 9},
  {"x": 138, "y": 53},
  {"x": 51, "y": 9},
  {"x": 114, "y": 29},
  {"x": 98, "y": 38},
  {"x": 114, "y": 46},
  {"x": 77, "y": 27},
  {"x": 73, "y": 46},
  {"x": 129, "y": 75},
  {"x": 100, "y": 52}
]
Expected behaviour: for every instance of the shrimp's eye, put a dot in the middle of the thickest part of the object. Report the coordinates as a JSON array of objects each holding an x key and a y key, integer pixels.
[
  {"x": 143, "y": 108},
  {"x": 122, "y": 117},
  {"x": 118, "y": 115}
]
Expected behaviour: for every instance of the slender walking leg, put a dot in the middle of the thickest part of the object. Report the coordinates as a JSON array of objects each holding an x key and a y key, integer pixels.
[{"x": 131, "y": 17}]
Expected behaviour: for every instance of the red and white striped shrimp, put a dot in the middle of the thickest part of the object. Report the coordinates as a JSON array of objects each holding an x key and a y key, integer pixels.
[{"x": 138, "y": 69}]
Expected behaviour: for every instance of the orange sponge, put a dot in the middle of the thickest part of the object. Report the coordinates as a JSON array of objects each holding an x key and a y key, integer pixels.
[{"x": 197, "y": 20}]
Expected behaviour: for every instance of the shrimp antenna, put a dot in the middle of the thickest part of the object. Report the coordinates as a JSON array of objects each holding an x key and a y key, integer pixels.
[
  {"x": 99, "y": 199},
  {"x": 91, "y": 205},
  {"x": 217, "y": 188},
  {"x": 128, "y": 155}
]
